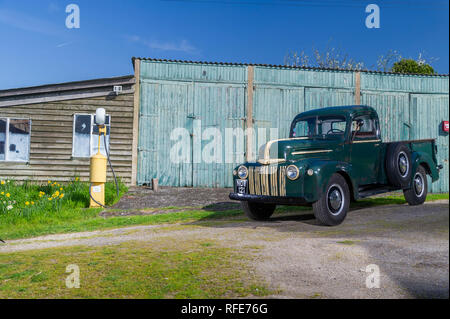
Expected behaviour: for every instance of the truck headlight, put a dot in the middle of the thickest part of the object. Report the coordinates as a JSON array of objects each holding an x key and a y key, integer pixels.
[
  {"x": 242, "y": 172},
  {"x": 292, "y": 172}
]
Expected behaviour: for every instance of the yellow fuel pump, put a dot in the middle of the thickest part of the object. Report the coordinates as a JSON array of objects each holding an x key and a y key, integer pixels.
[{"x": 98, "y": 166}]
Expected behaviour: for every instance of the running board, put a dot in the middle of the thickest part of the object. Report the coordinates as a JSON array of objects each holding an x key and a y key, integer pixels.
[{"x": 375, "y": 191}]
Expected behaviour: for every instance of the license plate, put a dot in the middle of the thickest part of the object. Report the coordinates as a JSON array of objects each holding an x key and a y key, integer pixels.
[{"x": 241, "y": 186}]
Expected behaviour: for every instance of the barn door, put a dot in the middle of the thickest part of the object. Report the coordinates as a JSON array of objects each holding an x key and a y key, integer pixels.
[
  {"x": 164, "y": 124},
  {"x": 427, "y": 113},
  {"x": 218, "y": 111}
]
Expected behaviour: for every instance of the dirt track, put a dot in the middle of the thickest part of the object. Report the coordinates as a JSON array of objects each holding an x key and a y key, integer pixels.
[{"x": 301, "y": 259}]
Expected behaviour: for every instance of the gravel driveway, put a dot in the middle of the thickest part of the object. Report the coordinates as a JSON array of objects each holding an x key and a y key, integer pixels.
[{"x": 300, "y": 259}]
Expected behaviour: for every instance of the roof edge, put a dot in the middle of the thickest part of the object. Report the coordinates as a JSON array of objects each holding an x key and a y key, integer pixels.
[
  {"x": 68, "y": 86},
  {"x": 282, "y": 67}
]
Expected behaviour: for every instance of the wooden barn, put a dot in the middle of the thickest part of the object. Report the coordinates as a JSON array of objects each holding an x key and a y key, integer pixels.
[{"x": 47, "y": 132}]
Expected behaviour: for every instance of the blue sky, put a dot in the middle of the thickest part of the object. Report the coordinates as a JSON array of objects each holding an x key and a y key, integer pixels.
[{"x": 37, "y": 48}]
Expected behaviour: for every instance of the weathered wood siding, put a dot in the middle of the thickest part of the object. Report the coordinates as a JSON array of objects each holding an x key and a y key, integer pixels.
[{"x": 52, "y": 134}]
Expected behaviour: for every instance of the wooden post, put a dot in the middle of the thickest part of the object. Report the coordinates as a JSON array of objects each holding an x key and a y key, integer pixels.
[
  {"x": 137, "y": 86},
  {"x": 249, "y": 126},
  {"x": 155, "y": 185},
  {"x": 358, "y": 88}
]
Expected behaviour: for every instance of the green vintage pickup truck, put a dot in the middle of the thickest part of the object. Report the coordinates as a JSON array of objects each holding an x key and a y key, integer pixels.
[{"x": 333, "y": 156}]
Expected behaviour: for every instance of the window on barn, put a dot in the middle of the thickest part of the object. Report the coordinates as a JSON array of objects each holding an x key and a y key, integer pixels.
[
  {"x": 85, "y": 136},
  {"x": 15, "y": 137}
]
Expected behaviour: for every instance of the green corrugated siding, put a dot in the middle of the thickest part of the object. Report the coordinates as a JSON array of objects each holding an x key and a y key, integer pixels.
[
  {"x": 427, "y": 112},
  {"x": 189, "y": 95}
]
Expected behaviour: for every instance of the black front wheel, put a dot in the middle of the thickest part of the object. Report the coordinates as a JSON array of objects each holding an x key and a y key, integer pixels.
[
  {"x": 417, "y": 194},
  {"x": 331, "y": 209},
  {"x": 258, "y": 211}
]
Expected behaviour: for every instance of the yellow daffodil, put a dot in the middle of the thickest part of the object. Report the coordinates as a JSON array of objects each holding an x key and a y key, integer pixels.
[
  {"x": 61, "y": 196},
  {"x": 61, "y": 189},
  {"x": 49, "y": 182},
  {"x": 3, "y": 193},
  {"x": 77, "y": 179},
  {"x": 3, "y": 182},
  {"x": 50, "y": 198},
  {"x": 27, "y": 203},
  {"x": 32, "y": 203},
  {"x": 8, "y": 195}
]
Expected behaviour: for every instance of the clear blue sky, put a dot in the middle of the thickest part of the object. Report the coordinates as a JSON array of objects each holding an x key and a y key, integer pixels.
[{"x": 37, "y": 48}]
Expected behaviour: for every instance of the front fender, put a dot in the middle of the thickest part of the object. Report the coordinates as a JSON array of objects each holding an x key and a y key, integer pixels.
[{"x": 315, "y": 185}]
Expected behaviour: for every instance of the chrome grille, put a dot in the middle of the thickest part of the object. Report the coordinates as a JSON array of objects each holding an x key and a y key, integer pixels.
[{"x": 267, "y": 180}]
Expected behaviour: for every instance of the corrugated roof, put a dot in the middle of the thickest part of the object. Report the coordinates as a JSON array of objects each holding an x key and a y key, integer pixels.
[
  {"x": 65, "y": 91},
  {"x": 67, "y": 86},
  {"x": 282, "y": 67}
]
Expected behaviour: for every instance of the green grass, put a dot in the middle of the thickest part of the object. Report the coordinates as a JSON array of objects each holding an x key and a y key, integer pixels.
[
  {"x": 164, "y": 269},
  {"x": 347, "y": 242},
  {"x": 371, "y": 202},
  {"x": 79, "y": 219},
  {"x": 18, "y": 201}
]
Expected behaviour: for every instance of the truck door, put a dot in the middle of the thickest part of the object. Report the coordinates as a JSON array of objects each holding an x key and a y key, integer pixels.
[{"x": 365, "y": 147}]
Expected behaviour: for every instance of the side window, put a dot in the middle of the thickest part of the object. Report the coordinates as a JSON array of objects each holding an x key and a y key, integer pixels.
[
  {"x": 85, "y": 136},
  {"x": 368, "y": 130},
  {"x": 3, "y": 125},
  {"x": 15, "y": 138}
]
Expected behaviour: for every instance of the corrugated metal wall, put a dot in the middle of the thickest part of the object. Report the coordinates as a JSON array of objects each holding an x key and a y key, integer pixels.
[
  {"x": 198, "y": 96},
  {"x": 199, "y": 99},
  {"x": 411, "y": 107}
]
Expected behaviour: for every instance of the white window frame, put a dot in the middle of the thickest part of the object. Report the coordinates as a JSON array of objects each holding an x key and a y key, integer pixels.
[
  {"x": 91, "y": 147},
  {"x": 6, "y": 160}
]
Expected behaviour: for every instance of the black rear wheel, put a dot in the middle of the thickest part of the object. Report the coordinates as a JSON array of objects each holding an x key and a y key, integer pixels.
[
  {"x": 398, "y": 165},
  {"x": 417, "y": 194},
  {"x": 258, "y": 211},
  {"x": 331, "y": 209}
]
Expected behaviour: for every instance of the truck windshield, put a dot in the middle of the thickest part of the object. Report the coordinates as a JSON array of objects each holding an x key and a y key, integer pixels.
[{"x": 321, "y": 127}]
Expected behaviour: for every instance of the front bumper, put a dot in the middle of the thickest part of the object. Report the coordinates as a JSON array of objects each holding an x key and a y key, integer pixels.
[{"x": 279, "y": 200}]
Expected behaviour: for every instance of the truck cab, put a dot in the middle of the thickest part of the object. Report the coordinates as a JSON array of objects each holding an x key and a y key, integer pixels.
[{"x": 333, "y": 156}]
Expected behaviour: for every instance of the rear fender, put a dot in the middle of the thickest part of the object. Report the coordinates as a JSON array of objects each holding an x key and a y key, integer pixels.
[{"x": 422, "y": 158}]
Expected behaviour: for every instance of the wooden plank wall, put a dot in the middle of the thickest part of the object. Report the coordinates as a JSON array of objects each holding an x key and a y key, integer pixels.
[{"x": 51, "y": 139}]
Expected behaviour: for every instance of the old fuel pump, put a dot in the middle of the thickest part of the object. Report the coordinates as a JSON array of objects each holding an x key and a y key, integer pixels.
[{"x": 98, "y": 165}]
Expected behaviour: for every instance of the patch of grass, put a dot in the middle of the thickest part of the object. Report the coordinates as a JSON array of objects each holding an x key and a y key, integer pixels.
[
  {"x": 131, "y": 270},
  {"x": 31, "y": 209},
  {"x": 21, "y": 201},
  {"x": 347, "y": 242},
  {"x": 393, "y": 200},
  {"x": 77, "y": 220}
]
